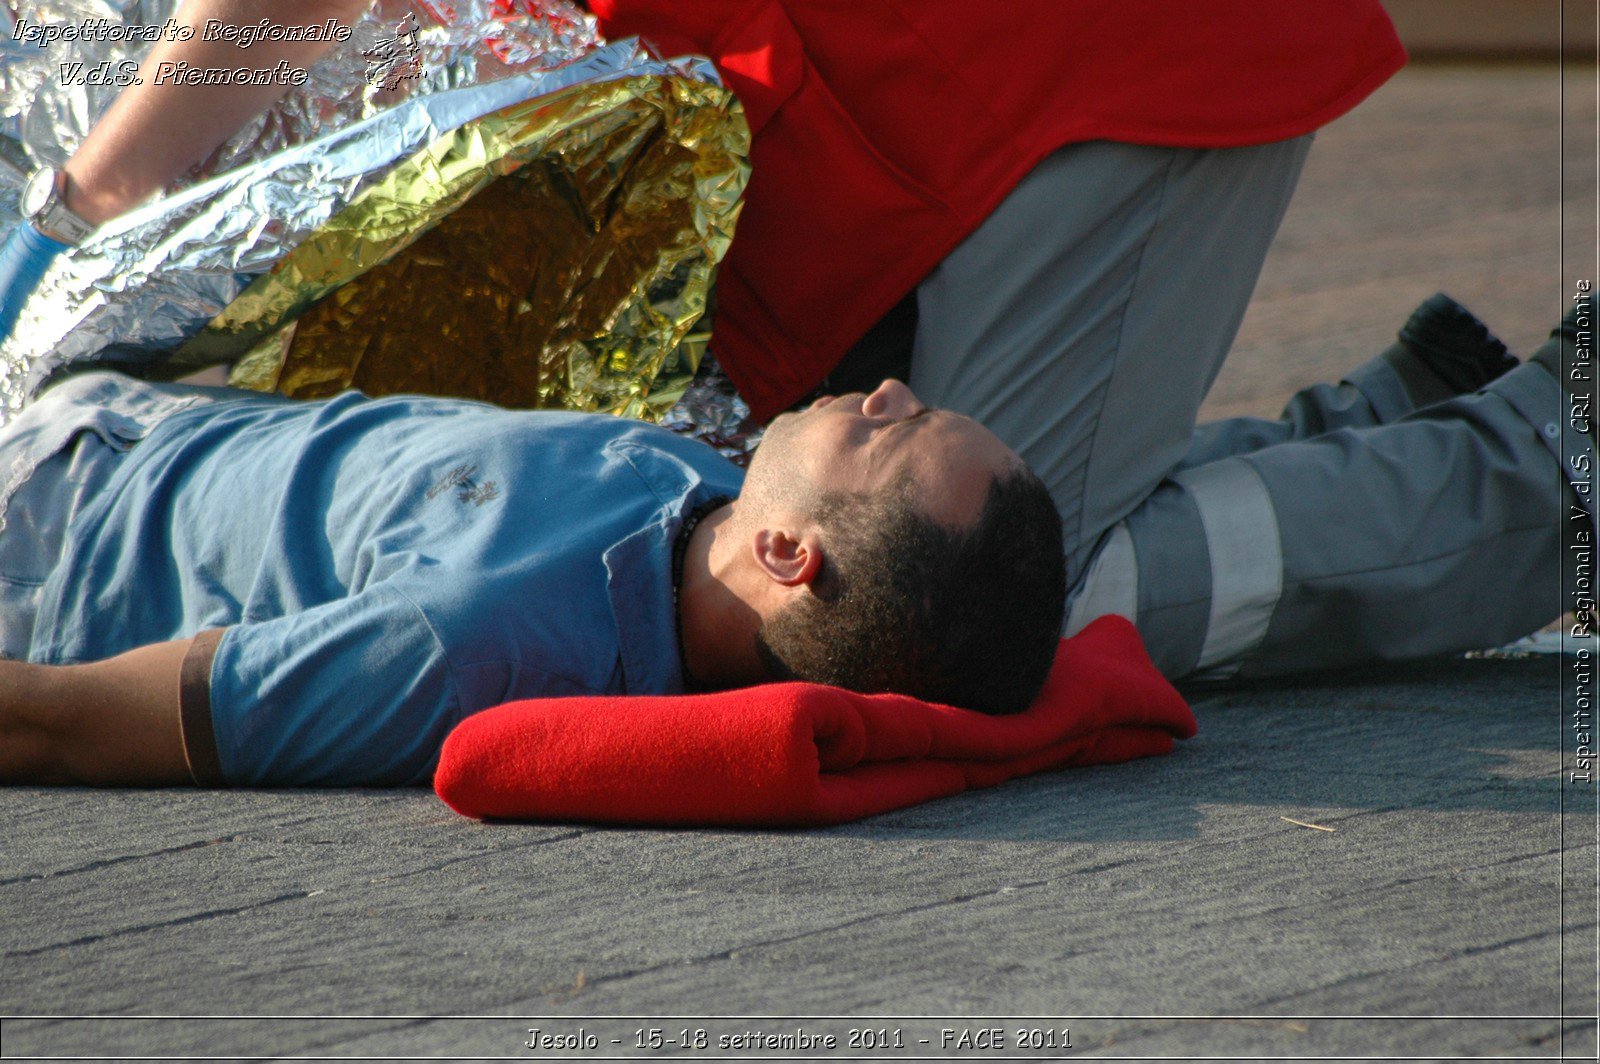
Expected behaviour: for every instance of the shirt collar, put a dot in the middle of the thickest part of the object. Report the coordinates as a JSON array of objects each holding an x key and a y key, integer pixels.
[{"x": 639, "y": 583}]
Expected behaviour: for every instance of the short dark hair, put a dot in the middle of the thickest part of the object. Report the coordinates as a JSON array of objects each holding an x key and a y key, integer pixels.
[{"x": 904, "y": 604}]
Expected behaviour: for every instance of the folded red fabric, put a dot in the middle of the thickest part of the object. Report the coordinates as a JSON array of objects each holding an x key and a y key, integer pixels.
[{"x": 795, "y": 754}]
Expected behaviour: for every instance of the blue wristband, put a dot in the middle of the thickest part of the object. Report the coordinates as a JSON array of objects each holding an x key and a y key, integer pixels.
[{"x": 24, "y": 258}]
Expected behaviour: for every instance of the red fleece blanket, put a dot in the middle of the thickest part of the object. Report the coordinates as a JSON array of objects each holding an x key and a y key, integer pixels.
[{"x": 795, "y": 754}]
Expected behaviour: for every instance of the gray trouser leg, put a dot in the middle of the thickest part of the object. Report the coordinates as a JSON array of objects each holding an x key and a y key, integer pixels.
[
  {"x": 1084, "y": 323},
  {"x": 1371, "y": 395},
  {"x": 1437, "y": 533},
  {"x": 1085, "y": 320}
]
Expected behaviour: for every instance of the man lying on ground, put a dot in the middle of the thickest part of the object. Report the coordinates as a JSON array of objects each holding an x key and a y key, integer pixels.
[
  {"x": 1056, "y": 230},
  {"x": 211, "y": 586}
]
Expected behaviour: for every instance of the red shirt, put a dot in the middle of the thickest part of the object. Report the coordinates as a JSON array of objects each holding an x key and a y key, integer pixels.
[{"x": 887, "y": 130}]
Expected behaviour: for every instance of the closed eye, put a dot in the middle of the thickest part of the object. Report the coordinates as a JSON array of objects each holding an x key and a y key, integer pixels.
[{"x": 924, "y": 412}]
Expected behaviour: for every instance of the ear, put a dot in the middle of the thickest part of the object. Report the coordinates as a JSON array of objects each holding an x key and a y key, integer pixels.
[{"x": 791, "y": 559}]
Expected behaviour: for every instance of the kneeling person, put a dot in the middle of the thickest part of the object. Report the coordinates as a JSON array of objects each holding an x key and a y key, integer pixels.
[{"x": 222, "y": 587}]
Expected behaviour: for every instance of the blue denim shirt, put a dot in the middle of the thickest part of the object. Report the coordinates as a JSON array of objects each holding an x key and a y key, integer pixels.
[{"x": 383, "y": 568}]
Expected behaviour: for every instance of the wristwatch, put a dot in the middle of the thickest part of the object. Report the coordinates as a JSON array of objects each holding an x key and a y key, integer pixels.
[{"x": 44, "y": 204}]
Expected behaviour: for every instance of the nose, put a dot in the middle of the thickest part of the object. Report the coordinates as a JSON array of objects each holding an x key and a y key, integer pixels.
[{"x": 891, "y": 399}]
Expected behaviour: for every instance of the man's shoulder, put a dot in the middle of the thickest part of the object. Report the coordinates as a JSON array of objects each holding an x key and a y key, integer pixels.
[
  {"x": 559, "y": 433},
  {"x": 553, "y": 571},
  {"x": 671, "y": 466}
]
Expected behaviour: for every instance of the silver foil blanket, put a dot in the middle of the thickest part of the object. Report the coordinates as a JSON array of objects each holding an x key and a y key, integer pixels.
[
  {"x": 147, "y": 282},
  {"x": 409, "y": 70}
]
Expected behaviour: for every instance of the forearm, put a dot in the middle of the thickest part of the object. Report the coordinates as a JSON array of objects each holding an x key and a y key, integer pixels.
[
  {"x": 106, "y": 722},
  {"x": 154, "y": 132}
]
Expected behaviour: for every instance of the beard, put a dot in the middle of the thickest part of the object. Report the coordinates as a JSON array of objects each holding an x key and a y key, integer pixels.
[{"x": 772, "y": 478}]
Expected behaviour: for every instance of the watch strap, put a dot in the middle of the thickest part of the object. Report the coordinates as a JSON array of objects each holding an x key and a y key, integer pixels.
[{"x": 58, "y": 221}]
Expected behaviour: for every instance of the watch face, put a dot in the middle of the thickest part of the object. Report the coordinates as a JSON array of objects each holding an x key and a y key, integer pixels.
[{"x": 37, "y": 192}]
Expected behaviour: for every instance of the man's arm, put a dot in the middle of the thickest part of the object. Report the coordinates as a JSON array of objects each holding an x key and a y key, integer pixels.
[
  {"x": 154, "y": 132},
  {"x": 109, "y": 722}
]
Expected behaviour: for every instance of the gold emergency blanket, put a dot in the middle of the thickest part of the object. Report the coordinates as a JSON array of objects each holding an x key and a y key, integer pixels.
[{"x": 553, "y": 254}]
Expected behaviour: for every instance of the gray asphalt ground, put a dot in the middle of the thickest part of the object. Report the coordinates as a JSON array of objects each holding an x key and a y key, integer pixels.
[{"x": 1435, "y": 900}]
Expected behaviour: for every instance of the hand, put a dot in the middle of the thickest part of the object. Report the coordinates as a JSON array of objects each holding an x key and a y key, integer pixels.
[{"x": 24, "y": 257}]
